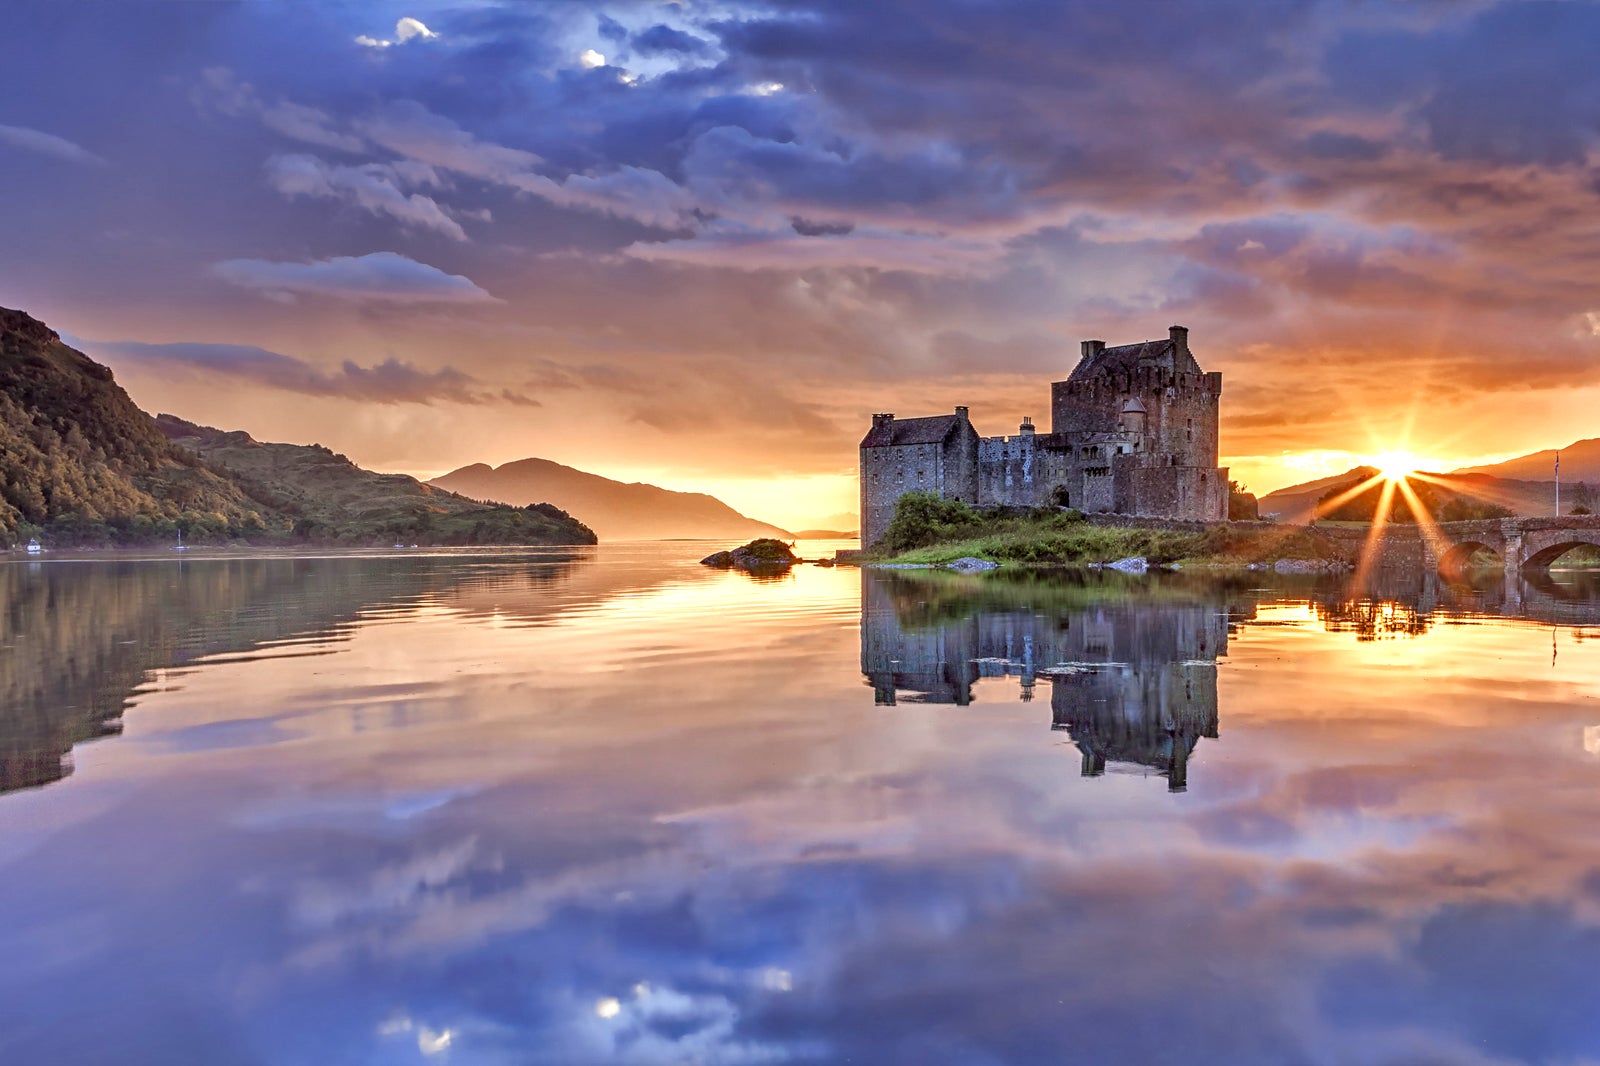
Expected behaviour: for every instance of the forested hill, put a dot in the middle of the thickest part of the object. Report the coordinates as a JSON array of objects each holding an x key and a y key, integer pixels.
[{"x": 81, "y": 464}]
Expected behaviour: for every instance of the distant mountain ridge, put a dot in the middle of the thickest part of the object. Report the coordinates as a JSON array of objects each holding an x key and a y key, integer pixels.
[
  {"x": 615, "y": 510},
  {"x": 1580, "y": 461},
  {"x": 81, "y": 464},
  {"x": 1297, "y": 503}
]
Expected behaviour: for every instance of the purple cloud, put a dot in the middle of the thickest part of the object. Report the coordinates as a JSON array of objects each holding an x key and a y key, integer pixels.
[{"x": 378, "y": 276}]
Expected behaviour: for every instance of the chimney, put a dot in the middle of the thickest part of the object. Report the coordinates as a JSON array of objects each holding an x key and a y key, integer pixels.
[
  {"x": 881, "y": 420},
  {"x": 1027, "y": 425},
  {"x": 961, "y": 413},
  {"x": 1180, "y": 337},
  {"x": 1091, "y": 348}
]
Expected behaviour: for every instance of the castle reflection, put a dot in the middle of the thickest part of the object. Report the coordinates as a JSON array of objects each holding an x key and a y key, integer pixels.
[{"x": 1132, "y": 666}]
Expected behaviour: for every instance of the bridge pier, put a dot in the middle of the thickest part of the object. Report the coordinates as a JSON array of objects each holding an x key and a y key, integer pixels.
[
  {"x": 1513, "y": 555},
  {"x": 1511, "y": 592}
]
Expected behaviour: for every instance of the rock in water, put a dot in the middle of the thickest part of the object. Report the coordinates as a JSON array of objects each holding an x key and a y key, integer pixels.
[
  {"x": 763, "y": 555},
  {"x": 1135, "y": 564},
  {"x": 971, "y": 564}
]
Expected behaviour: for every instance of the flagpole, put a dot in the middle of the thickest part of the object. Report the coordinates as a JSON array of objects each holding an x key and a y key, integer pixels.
[{"x": 1558, "y": 484}]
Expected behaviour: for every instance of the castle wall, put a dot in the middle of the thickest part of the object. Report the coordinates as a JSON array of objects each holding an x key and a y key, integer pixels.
[
  {"x": 1148, "y": 489},
  {"x": 889, "y": 473},
  {"x": 1021, "y": 471},
  {"x": 1182, "y": 410},
  {"x": 949, "y": 469}
]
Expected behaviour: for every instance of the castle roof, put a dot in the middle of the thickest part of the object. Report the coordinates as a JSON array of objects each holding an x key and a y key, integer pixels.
[
  {"x": 1166, "y": 352},
  {"x": 935, "y": 429}
]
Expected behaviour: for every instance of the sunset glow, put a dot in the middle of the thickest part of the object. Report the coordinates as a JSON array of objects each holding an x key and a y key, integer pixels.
[
  {"x": 1396, "y": 465},
  {"x": 688, "y": 237}
]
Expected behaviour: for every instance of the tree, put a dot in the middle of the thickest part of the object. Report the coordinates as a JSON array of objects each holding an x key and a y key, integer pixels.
[
  {"x": 1241, "y": 503},
  {"x": 1582, "y": 499}
]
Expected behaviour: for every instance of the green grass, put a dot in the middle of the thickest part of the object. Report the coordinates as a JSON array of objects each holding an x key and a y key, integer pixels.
[
  {"x": 942, "y": 533},
  {"x": 1077, "y": 543}
]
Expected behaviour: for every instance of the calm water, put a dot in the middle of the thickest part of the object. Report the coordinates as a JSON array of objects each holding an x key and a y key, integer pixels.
[{"x": 607, "y": 806}]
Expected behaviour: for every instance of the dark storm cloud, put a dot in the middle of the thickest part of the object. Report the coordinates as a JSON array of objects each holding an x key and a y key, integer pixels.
[
  {"x": 659, "y": 39},
  {"x": 391, "y": 381},
  {"x": 1515, "y": 84}
]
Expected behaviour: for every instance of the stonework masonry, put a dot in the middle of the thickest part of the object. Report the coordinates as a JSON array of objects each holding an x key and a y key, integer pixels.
[{"x": 1133, "y": 431}]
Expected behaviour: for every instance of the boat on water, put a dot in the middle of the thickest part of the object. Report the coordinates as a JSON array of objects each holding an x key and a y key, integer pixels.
[
  {"x": 181, "y": 546},
  {"x": 34, "y": 547}
]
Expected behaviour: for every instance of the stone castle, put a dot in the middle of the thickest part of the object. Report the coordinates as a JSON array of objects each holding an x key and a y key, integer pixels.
[{"x": 1133, "y": 431}]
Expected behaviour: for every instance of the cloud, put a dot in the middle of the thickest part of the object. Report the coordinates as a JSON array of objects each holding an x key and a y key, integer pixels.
[
  {"x": 392, "y": 381},
  {"x": 221, "y": 90},
  {"x": 407, "y": 29},
  {"x": 664, "y": 40},
  {"x": 589, "y": 59},
  {"x": 48, "y": 144},
  {"x": 792, "y": 249},
  {"x": 377, "y": 188},
  {"x": 409, "y": 129},
  {"x": 378, "y": 276}
]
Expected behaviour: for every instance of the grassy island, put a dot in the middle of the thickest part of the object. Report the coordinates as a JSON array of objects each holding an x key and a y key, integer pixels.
[{"x": 929, "y": 529}]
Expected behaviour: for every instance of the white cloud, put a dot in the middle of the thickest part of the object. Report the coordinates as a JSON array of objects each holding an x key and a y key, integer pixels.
[
  {"x": 590, "y": 59},
  {"x": 385, "y": 277},
  {"x": 378, "y": 188},
  {"x": 407, "y": 29},
  {"x": 47, "y": 144}
]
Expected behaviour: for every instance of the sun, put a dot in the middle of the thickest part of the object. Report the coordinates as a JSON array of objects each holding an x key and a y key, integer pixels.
[{"x": 1396, "y": 466}]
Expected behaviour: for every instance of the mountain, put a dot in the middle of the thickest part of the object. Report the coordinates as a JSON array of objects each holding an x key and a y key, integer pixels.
[
  {"x": 616, "y": 510},
  {"x": 80, "y": 463},
  {"x": 1580, "y": 461},
  {"x": 331, "y": 498},
  {"x": 1296, "y": 503}
]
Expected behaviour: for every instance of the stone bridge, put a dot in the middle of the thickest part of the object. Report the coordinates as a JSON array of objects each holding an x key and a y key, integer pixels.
[{"x": 1522, "y": 544}]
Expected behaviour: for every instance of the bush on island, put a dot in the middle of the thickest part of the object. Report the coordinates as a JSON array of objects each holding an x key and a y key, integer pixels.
[{"x": 763, "y": 553}]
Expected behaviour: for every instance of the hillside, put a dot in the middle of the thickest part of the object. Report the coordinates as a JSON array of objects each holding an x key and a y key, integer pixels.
[
  {"x": 330, "y": 498},
  {"x": 1580, "y": 461},
  {"x": 615, "y": 510},
  {"x": 81, "y": 464},
  {"x": 1296, "y": 502}
]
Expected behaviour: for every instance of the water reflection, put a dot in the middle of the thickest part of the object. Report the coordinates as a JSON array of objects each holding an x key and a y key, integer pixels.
[
  {"x": 1131, "y": 663},
  {"x": 79, "y": 641},
  {"x": 623, "y": 809}
]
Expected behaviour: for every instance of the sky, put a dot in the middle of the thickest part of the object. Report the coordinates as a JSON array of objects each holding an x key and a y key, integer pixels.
[{"x": 699, "y": 243}]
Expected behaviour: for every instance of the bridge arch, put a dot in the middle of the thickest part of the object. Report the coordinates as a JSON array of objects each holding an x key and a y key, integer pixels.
[
  {"x": 1545, "y": 557},
  {"x": 1454, "y": 560}
]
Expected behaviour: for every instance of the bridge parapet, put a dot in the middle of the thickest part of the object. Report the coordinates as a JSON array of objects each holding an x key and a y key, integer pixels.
[{"x": 1521, "y": 543}]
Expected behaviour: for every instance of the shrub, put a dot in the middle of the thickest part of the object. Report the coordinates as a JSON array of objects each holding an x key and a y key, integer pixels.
[{"x": 922, "y": 518}]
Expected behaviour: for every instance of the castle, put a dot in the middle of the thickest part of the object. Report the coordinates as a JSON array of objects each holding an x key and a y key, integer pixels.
[{"x": 1133, "y": 431}]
